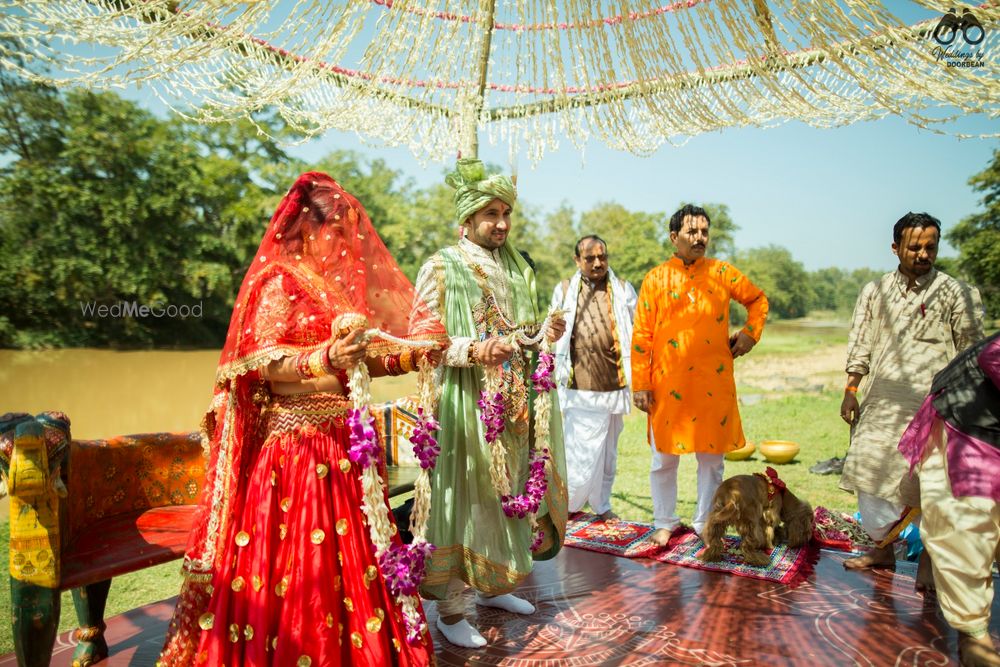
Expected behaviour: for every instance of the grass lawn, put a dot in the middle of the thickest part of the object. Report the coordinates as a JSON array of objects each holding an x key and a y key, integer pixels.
[
  {"x": 810, "y": 420},
  {"x": 794, "y": 379}
]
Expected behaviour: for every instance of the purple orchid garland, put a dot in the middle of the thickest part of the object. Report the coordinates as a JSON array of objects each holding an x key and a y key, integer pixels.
[
  {"x": 402, "y": 565},
  {"x": 534, "y": 489},
  {"x": 491, "y": 414},
  {"x": 425, "y": 445},
  {"x": 542, "y": 377},
  {"x": 492, "y": 417},
  {"x": 364, "y": 442}
]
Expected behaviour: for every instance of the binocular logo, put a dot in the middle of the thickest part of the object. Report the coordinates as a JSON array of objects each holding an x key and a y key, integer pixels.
[{"x": 951, "y": 24}]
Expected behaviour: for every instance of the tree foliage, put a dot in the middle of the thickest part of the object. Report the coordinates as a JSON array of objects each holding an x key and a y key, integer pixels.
[
  {"x": 977, "y": 238},
  {"x": 101, "y": 203},
  {"x": 785, "y": 281},
  {"x": 837, "y": 290}
]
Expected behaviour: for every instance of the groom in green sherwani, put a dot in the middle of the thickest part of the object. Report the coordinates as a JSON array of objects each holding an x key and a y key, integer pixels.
[{"x": 484, "y": 292}]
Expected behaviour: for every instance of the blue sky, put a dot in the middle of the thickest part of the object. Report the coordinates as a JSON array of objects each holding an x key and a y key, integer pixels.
[{"x": 830, "y": 196}]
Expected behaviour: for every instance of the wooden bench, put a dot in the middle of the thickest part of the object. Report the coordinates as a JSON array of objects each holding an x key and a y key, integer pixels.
[{"x": 128, "y": 504}]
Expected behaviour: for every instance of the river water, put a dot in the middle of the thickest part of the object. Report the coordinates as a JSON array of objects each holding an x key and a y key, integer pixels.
[{"x": 106, "y": 392}]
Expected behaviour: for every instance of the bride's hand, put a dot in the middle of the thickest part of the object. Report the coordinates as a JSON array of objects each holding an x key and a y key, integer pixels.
[
  {"x": 348, "y": 351},
  {"x": 434, "y": 356}
]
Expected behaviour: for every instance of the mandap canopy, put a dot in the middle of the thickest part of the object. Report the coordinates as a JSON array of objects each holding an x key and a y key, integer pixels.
[{"x": 435, "y": 75}]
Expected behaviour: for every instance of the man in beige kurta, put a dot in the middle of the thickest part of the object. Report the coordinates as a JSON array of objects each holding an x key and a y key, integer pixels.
[{"x": 907, "y": 325}]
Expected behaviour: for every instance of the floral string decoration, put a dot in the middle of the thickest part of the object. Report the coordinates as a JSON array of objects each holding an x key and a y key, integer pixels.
[
  {"x": 834, "y": 528},
  {"x": 492, "y": 415},
  {"x": 542, "y": 377},
  {"x": 402, "y": 566}
]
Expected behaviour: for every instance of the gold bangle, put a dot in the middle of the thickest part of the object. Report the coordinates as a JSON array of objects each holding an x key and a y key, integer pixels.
[
  {"x": 472, "y": 354},
  {"x": 316, "y": 365},
  {"x": 851, "y": 388},
  {"x": 406, "y": 361}
]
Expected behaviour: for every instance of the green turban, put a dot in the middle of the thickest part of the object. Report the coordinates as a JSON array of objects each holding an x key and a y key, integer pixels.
[{"x": 474, "y": 190}]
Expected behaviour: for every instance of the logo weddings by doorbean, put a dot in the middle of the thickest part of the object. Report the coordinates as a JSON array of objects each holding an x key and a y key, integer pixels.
[
  {"x": 958, "y": 37},
  {"x": 134, "y": 309}
]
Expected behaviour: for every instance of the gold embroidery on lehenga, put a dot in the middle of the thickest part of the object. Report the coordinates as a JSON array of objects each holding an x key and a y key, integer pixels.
[{"x": 320, "y": 411}]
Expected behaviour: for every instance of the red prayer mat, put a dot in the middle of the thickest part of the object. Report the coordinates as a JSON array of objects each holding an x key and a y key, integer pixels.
[{"x": 628, "y": 540}]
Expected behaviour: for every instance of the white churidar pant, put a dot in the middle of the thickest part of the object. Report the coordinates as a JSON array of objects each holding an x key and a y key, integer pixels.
[{"x": 663, "y": 485}]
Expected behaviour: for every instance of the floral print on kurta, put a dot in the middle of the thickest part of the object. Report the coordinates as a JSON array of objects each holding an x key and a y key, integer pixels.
[{"x": 680, "y": 352}]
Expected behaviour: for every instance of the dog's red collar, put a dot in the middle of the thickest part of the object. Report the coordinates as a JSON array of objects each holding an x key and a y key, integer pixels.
[{"x": 774, "y": 484}]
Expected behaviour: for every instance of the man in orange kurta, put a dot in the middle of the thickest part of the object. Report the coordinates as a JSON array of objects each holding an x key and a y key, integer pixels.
[{"x": 682, "y": 364}]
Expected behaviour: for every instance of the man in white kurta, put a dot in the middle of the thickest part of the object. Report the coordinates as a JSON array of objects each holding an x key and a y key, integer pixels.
[
  {"x": 593, "y": 371},
  {"x": 907, "y": 326}
]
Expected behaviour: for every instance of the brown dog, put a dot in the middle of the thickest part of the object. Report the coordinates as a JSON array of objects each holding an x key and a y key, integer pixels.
[{"x": 756, "y": 505}]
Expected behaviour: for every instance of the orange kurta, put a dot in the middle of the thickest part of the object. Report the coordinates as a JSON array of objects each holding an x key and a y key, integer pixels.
[{"x": 681, "y": 353}]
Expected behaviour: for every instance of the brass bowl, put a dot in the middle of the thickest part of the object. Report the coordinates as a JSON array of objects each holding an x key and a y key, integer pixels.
[
  {"x": 779, "y": 451},
  {"x": 744, "y": 452}
]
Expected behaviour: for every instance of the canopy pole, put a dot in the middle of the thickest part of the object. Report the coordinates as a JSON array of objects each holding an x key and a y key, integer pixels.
[
  {"x": 766, "y": 24},
  {"x": 489, "y": 8}
]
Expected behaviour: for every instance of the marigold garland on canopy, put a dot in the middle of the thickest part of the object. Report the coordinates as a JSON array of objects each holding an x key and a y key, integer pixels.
[{"x": 433, "y": 74}]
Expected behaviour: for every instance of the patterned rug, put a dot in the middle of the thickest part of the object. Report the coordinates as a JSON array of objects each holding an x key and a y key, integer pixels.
[{"x": 628, "y": 539}]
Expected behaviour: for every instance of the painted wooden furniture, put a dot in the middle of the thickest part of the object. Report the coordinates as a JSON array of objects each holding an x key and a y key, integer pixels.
[
  {"x": 86, "y": 511},
  {"x": 127, "y": 503}
]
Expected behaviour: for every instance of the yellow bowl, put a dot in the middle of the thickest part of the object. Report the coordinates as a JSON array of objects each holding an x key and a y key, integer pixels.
[
  {"x": 779, "y": 451},
  {"x": 744, "y": 452}
]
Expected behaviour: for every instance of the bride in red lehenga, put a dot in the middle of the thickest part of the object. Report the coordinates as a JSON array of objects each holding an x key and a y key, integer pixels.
[{"x": 280, "y": 568}]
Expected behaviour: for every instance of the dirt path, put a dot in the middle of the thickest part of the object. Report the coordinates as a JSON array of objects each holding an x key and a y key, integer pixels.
[{"x": 817, "y": 370}]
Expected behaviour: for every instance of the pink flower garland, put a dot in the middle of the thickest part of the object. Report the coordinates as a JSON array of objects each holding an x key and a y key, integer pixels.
[
  {"x": 539, "y": 536},
  {"x": 403, "y": 566},
  {"x": 542, "y": 377}
]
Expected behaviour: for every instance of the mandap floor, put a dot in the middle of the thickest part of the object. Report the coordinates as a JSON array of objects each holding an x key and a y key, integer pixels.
[{"x": 595, "y": 609}]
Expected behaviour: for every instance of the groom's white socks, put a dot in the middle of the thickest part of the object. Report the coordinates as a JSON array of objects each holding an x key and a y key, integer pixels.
[
  {"x": 461, "y": 634},
  {"x": 508, "y": 602}
]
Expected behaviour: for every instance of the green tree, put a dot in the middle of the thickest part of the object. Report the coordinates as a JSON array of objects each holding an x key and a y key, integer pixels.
[
  {"x": 552, "y": 249},
  {"x": 977, "y": 238},
  {"x": 837, "y": 289},
  {"x": 635, "y": 239},
  {"x": 784, "y": 280},
  {"x": 102, "y": 203}
]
